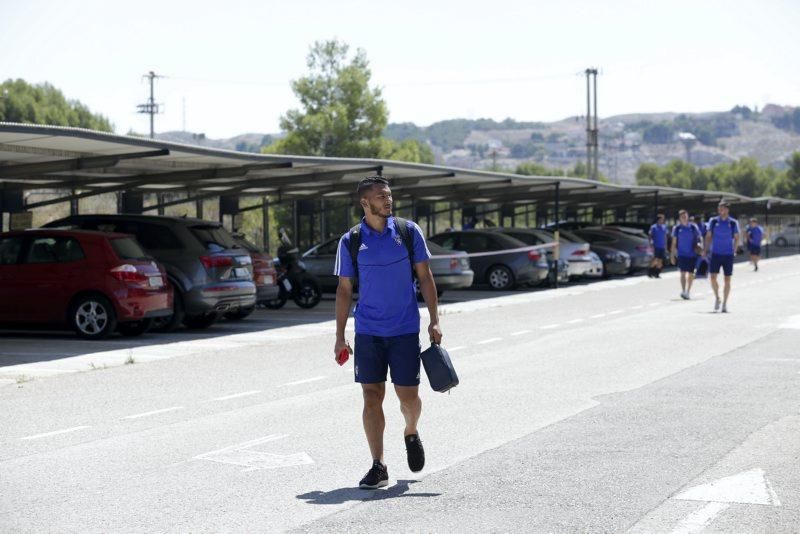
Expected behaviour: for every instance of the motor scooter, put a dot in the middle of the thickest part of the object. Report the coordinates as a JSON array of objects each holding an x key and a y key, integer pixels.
[{"x": 294, "y": 282}]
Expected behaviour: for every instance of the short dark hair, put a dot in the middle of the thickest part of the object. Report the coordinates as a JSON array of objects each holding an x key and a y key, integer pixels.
[
  {"x": 369, "y": 182},
  {"x": 682, "y": 212},
  {"x": 724, "y": 203}
]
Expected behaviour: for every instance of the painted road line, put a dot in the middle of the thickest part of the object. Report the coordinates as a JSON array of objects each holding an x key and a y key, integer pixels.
[
  {"x": 305, "y": 381},
  {"x": 699, "y": 520},
  {"x": 616, "y": 312},
  {"x": 639, "y": 307},
  {"x": 490, "y": 340},
  {"x": 575, "y": 321},
  {"x": 57, "y": 432},
  {"x": 551, "y": 326},
  {"x": 453, "y": 349},
  {"x": 655, "y": 304},
  {"x": 521, "y": 332},
  {"x": 154, "y": 412},
  {"x": 237, "y": 395},
  {"x": 598, "y": 316}
]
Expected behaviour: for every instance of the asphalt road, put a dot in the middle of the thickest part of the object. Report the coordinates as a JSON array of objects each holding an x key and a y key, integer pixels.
[{"x": 608, "y": 407}]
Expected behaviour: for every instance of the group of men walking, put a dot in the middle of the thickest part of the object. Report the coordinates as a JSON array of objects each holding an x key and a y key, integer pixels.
[{"x": 696, "y": 247}]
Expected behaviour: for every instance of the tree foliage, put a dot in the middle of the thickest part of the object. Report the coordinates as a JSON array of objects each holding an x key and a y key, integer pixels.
[
  {"x": 44, "y": 104},
  {"x": 743, "y": 176}
]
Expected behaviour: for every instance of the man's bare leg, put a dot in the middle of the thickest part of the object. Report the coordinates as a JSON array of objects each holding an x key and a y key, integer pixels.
[
  {"x": 410, "y": 405},
  {"x": 373, "y": 418},
  {"x": 726, "y": 290}
]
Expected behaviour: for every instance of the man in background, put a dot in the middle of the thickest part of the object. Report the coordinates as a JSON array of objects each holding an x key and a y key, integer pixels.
[
  {"x": 722, "y": 240},
  {"x": 755, "y": 234}
]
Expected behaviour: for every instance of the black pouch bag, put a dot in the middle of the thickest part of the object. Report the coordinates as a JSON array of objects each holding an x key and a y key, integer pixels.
[{"x": 441, "y": 374}]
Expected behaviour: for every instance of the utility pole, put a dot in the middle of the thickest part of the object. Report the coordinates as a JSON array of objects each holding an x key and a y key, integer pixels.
[
  {"x": 591, "y": 125},
  {"x": 151, "y": 108}
]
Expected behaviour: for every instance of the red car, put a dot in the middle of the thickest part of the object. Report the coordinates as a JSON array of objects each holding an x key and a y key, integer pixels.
[
  {"x": 95, "y": 282},
  {"x": 264, "y": 275}
]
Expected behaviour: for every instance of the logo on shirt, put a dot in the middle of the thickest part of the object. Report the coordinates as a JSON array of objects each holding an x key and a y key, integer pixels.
[
  {"x": 363, "y": 247},
  {"x": 398, "y": 240}
]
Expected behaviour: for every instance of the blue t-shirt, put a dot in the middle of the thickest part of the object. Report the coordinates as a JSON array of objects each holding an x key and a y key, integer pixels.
[
  {"x": 387, "y": 300},
  {"x": 722, "y": 232},
  {"x": 686, "y": 237},
  {"x": 755, "y": 235},
  {"x": 658, "y": 233},
  {"x": 703, "y": 228}
]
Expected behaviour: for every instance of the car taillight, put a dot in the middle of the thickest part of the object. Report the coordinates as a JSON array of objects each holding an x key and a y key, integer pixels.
[
  {"x": 213, "y": 262},
  {"x": 128, "y": 274},
  {"x": 454, "y": 264},
  {"x": 534, "y": 255},
  {"x": 579, "y": 253}
]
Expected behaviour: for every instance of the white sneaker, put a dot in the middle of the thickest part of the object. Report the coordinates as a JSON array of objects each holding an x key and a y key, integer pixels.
[
  {"x": 717, "y": 303},
  {"x": 684, "y": 295}
]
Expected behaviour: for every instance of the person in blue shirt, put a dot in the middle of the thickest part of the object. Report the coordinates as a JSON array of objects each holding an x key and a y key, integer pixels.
[
  {"x": 722, "y": 240},
  {"x": 701, "y": 225},
  {"x": 658, "y": 240},
  {"x": 387, "y": 320},
  {"x": 685, "y": 239},
  {"x": 755, "y": 234}
]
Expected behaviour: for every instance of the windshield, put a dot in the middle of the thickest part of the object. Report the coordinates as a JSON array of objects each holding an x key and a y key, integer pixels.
[
  {"x": 127, "y": 248},
  {"x": 214, "y": 238}
]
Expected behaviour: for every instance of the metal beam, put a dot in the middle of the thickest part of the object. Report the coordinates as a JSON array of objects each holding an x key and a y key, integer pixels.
[
  {"x": 89, "y": 162},
  {"x": 402, "y": 181}
]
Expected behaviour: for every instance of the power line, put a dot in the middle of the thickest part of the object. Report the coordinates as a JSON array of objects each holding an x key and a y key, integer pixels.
[{"x": 151, "y": 108}]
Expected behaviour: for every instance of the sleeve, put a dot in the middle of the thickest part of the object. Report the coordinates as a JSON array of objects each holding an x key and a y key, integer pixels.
[
  {"x": 344, "y": 263},
  {"x": 421, "y": 252},
  {"x": 674, "y": 231},
  {"x": 736, "y": 227}
]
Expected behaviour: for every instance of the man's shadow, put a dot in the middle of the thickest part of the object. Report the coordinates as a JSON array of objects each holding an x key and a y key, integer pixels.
[{"x": 343, "y": 495}]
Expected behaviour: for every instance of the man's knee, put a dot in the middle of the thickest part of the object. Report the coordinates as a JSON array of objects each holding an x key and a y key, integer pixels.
[
  {"x": 373, "y": 395},
  {"x": 408, "y": 395}
]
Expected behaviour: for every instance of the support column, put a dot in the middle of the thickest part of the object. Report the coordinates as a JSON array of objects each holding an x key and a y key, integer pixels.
[
  {"x": 766, "y": 225},
  {"x": 198, "y": 208},
  {"x": 556, "y": 235},
  {"x": 452, "y": 217},
  {"x": 322, "y": 221},
  {"x": 295, "y": 222},
  {"x": 160, "y": 200},
  {"x": 73, "y": 205},
  {"x": 655, "y": 205},
  {"x": 265, "y": 224}
]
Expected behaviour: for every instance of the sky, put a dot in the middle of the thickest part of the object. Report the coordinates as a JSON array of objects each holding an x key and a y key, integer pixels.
[{"x": 227, "y": 65}]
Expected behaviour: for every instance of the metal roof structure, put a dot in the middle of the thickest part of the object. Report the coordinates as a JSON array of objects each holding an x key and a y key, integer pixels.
[{"x": 84, "y": 163}]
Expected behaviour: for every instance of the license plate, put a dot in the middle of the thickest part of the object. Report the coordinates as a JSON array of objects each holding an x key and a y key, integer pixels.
[
  {"x": 287, "y": 284},
  {"x": 156, "y": 281},
  {"x": 241, "y": 272}
]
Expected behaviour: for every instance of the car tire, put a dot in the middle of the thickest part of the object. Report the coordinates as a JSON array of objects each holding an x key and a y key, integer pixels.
[
  {"x": 170, "y": 323},
  {"x": 93, "y": 317},
  {"x": 134, "y": 328},
  {"x": 781, "y": 242},
  {"x": 239, "y": 314},
  {"x": 308, "y": 294},
  {"x": 200, "y": 322},
  {"x": 500, "y": 278}
]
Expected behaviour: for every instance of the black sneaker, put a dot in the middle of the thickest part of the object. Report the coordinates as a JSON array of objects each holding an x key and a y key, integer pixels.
[
  {"x": 376, "y": 477},
  {"x": 415, "y": 453}
]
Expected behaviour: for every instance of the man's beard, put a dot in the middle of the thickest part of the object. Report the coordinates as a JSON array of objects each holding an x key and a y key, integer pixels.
[{"x": 378, "y": 212}]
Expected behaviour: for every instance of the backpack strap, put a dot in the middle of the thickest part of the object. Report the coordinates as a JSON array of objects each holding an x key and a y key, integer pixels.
[
  {"x": 401, "y": 225},
  {"x": 354, "y": 243}
]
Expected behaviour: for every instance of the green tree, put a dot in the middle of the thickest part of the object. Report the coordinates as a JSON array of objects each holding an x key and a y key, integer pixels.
[
  {"x": 341, "y": 114},
  {"x": 409, "y": 150},
  {"x": 44, "y": 104},
  {"x": 787, "y": 185}
]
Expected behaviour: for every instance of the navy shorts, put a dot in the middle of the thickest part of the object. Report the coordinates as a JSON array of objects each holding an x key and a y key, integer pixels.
[
  {"x": 755, "y": 250},
  {"x": 374, "y": 355},
  {"x": 719, "y": 260},
  {"x": 686, "y": 264},
  {"x": 660, "y": 253}
]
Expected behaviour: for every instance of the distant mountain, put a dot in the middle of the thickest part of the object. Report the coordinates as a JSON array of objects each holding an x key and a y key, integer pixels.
[{"x": 626, "y": 141}]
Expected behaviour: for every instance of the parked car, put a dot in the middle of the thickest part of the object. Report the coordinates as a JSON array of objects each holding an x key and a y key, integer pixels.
[
  {"x": 638, "y": 248},
  {"x": 789, "y": 236},
  {"x": 93, "y": 282},
  {"x": 449, "y": 273},
  {"x": 535, "y": 237},
  {"x": 265, "y": 275},
  {"x": 501, "y": 270},
  {"x": 615, "y": 261},
  {"x": 582, "y": 261},
  {"x": 209, "y": 275}
]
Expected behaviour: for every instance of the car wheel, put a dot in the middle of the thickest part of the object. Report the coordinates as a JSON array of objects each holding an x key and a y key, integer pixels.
[
  {"x": 308, "y": 295},
  {"x": 781, "y": 242},
  {"x": 239, "y": 314},
  {"x": 500, "y": 277},
  {"x": 170, "y": 323},
  {"x": 200, "y": 322},
  {"x": 93, "y": 317},
  {"x": 134, "y": 328}
]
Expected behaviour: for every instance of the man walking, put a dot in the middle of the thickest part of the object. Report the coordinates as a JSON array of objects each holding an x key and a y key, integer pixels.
[
  {"x": 754, "y": 236},
  {"x": 685, "y": 239},
  {"x": 381, "y": 254},
  {"x": 658, "y": 240},
  {"x": 722, "y": 240}
]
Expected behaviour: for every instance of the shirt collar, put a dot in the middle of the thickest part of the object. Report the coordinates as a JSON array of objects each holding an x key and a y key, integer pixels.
[{"x": 367, "y": 230}]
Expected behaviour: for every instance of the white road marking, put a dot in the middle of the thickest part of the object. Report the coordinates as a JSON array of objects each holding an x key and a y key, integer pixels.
[
  {"x": 154, "y": 412},
  {"x": 57, "y": 432},
  {"x": 453, "y": 349},
  {"x": 490, "y": 340},
  {"x": 699, "y": 520},
  {"x": 306, "y": 381},
  {"x": 575, "y": 321},
  {"x": 792, "y": 322},
  {"x": 615, "y": 312},
  {"x": 639, "y": 307},
  {"x": 654, "y": 304},
  {"x": 598, "y": 316},
  {"x": 551, "y": 326},
  {"x": 237, "y": 395},
  {"x": 747, "y": 487},
  {"x": 521, "y": 332},
  {"x": 253, "y": 460}
]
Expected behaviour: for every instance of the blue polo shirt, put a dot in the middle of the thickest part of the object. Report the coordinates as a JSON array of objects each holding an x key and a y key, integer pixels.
[
  {"x": 703, "y": 228},
  {"x": 658, "y": 233},
  {"x": 755, "y": 234},
  {"x": 686, "y": 236},
  {"x": 387, "y": 300},
  {"x": 722, "y": 232}
]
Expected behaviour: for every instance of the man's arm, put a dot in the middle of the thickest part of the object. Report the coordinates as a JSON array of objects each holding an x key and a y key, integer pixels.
[
  {"x": 344, "y": 300},
  {"x": 427, "y": 287},
  {"x": 674, "y": 245},
  {"x": 708, "y": 242}
]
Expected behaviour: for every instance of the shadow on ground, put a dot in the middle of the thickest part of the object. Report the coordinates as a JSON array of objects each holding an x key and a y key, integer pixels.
[{"x": 343, "y": 495}]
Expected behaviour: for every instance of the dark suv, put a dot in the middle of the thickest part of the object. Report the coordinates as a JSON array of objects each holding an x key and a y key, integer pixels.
[{"x": 209, "y": 274}]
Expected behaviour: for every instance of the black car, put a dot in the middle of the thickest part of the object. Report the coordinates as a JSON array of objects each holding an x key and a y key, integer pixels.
[{"x": 209, "y": 274}]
